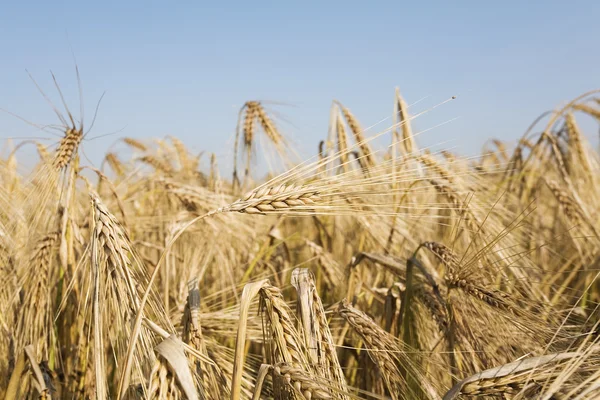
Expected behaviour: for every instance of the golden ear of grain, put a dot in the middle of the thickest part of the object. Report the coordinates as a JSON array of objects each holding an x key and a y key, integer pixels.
[
  {"x": 249, "y": 122},
  {"x": 214, "y": 181},
  {"x": 286, "y": 344},
  {"x": 281, "y": 198},
  {"x": 136, "y": 144},
  {"x": 454, "y": 279},
  {"x": 408, "y": 140},
  {"x": 342, "y": 142},
  {"x": 509, "y": 378},
  {"x": 115, "y": 164},
  {"x": 34, "y": 324},
  {"x": 268, "y": 126},
  {"x": 381, "y": 346},
  {"x": 579, "y": 156},
  {"x": 446, "y": 256},
  {"x": 42, "y": 152},
  {"x": 332, "y": 271},
  {"x": 435, "y": 167},
  {"x": 458, "y": 205},
  {"x": 594, "y": 112},
  {"x": 566, "y": 202},
  {"x": 121, "y": 279},
  {"x": 360, "y": 139},
  {"x": 159, "y": 164},
  {"x": 67, "y": 148},
  {"x": 181, "y": 152},
  {"x": 299, "y": 383}
]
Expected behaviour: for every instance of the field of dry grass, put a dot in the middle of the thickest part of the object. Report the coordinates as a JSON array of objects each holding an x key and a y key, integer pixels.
[{"x": 365, "y": 273}]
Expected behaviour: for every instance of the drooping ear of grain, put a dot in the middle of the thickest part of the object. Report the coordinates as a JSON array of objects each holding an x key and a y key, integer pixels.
[
  {"x": 592, "y": 111},
  {"x": 454, "y": 278},
  {"x": 381, "y": 347},
  {"x": 268, "y": 126}
]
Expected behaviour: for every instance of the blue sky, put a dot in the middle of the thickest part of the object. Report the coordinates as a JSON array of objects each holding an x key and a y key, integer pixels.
[{"x": 185, "y": 68}]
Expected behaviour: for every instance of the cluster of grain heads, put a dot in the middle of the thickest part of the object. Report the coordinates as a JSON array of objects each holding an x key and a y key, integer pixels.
[
  {"x": 119, "y": 278},
  {"x": 300, "y": 354},
  {"x": 253, "y": 115},
  {"x": 367, "y": 157},
  {"x": 388, "y": 354},
  {"x": 499, "y": 299}
]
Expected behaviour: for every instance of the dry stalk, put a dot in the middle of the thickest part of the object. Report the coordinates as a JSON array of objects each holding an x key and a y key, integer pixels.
[
  {"x": 211, "y": 376},
  {"x": 317, "y": 335}
]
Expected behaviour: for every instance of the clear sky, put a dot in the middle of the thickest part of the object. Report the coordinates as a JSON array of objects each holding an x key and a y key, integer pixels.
[{"x": 185, "y": 68}]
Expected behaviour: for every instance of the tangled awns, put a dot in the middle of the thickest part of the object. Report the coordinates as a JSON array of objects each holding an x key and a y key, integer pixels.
[{"x": 390, "y": 272}]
